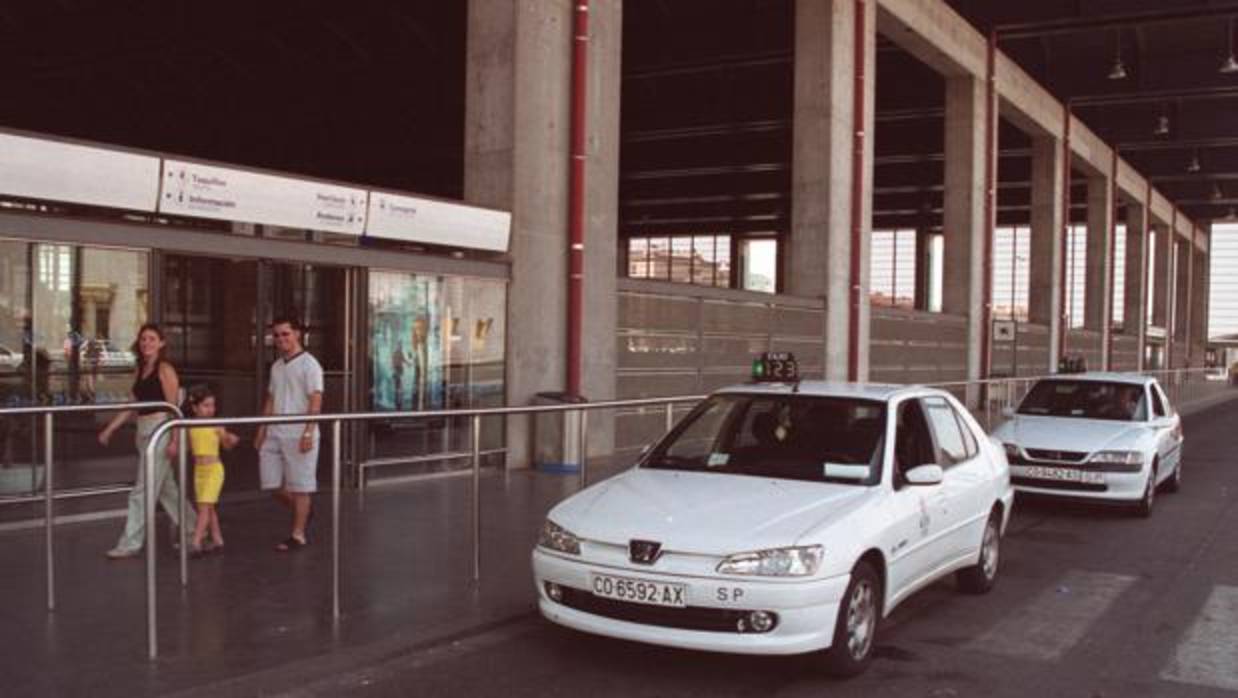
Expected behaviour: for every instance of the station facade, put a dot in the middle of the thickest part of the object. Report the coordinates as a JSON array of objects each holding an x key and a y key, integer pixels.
[{"x": 404, "y": 319}]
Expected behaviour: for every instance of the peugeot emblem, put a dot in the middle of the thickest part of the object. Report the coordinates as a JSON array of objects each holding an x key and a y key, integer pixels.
[{"x": 644, "y": 552}]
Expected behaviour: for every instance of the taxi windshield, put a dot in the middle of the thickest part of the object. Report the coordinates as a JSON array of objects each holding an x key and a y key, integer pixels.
[
  {"x": 794, "y": 437},
  {"x": 1123, "y": 402}
]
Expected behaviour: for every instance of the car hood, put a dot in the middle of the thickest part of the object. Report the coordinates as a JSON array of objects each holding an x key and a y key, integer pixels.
[
  {"x": 704, "y": 513},
  {"x": 1068, "y": 434}
]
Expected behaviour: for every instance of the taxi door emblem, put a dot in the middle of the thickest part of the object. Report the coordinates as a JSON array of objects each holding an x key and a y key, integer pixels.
[
  {"x": 925, "y": 519},
  {"x": 644, "y": 552}
]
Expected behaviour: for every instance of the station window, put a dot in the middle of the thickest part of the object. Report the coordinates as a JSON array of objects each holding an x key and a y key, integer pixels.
[
  {"x": 1119, "y": 276},
  {"x": 892, "y": 268},
  {"x": 1076, "y": 273},
  {"x": 1011, "y": 272},
  {"x": 759, "y": 264},
  {"x": 703, "y": 260},
  {"x": 1150, "y": 280}
]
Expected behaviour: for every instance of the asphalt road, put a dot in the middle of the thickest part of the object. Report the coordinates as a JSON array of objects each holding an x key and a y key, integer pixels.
[{"x": 1090, "y": 602}]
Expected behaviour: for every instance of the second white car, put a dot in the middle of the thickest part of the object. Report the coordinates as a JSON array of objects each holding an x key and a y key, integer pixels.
[{"x": 1103, "y": 437}]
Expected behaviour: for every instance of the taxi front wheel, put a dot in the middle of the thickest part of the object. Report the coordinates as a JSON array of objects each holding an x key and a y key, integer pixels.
[
  {"x": 855, "y": 630},
  {"x": 1143, "y": 507},
  {"x": 980, "y": 578}
]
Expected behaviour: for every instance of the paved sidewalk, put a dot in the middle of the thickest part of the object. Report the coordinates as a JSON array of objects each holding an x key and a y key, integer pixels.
[{"x": 251, "y": 612}]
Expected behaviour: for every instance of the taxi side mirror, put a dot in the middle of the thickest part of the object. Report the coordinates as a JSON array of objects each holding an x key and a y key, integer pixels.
[{"x": 921, "y": 475}]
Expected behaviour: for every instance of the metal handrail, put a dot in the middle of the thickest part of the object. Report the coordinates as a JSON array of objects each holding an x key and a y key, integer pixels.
[
  {"x": 336, "y": 420},
  {"x": 49, "y": 499}
]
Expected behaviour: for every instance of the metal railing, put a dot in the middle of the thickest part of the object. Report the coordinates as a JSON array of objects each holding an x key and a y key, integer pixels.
[
  {"x": 335, "y": 421},
  {"x": 1182, "y": 386},
  {"x": 49, "y": 493}
]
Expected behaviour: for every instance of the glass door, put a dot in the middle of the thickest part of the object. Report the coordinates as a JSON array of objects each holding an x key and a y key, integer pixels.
[
  {"x": 68, "y": 315},
  {"x": 210, "y": 314}
]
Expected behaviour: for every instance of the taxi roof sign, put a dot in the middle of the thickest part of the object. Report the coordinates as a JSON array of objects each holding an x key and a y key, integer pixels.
[{"x": 775, "y": 367}]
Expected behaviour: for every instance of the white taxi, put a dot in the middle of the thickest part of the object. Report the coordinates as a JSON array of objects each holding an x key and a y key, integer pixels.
[
  {"x": 1104, "y": 437},
  {"x": 781, "y": 519}
]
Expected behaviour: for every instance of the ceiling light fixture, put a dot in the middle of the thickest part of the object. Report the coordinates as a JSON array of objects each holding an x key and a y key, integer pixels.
[
  {"x": 1162, "y": 123},
  {"x": 1194, "y": 166},
  {"x": 1229, "y": 66},
  {"x": 1118, "y": 71}
]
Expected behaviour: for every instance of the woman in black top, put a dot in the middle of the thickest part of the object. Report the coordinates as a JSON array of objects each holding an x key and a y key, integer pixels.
[{"x": 154, "y": 381}]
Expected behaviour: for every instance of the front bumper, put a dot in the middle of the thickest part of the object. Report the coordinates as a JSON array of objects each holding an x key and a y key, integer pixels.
[
  {"x": 1115, "y": 487},
  {"x": 806, "y": 610}
]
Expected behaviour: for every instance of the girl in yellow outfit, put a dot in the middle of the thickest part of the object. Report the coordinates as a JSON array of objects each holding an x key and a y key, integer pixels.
[{"x": 208, "y": 470}]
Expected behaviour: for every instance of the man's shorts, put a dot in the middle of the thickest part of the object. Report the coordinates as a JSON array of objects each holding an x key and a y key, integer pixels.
[
  {"x": 281, "y": 464},
  {"x": 208, "y": 481}
]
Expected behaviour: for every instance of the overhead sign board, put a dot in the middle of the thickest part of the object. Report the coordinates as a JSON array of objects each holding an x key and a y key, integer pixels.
[
  {"x": 42, "y": 169},
  {"x": 207, "y": 191},
  {"x": 398, "y": 217}
]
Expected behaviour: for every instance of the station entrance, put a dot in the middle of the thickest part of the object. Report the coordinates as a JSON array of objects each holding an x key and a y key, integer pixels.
[{"x": 388, "y": 339}]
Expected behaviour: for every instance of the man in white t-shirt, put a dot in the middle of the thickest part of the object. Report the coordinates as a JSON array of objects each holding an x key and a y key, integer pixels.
[{"x": 288, "y": 453}]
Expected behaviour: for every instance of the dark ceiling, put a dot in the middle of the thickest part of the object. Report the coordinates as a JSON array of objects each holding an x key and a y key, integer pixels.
[
  {"x": 368, "y": 92},
  {"x": 373, "y": 93},
  {"x": 707, "y": 131}
]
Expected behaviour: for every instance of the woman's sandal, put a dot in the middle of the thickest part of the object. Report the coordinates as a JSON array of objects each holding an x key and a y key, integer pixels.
[{"x": 290, "y": 545}]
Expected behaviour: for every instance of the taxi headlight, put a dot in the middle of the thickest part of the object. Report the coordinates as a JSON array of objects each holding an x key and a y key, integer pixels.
[
  {"x": 778, "y": 562},
  {"x": 1128, "y": 460},
  {"x": 555, "y": 537}
]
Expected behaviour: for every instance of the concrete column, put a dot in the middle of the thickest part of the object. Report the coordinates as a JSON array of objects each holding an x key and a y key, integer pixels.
[
  {"x": 517, "y": 127},
  {"x": 964, "y": 221},
  {"x": 1045, "y": 296},
  {"x": 822, "y": 180},
  {"x": 1135, "y": 301},
  {"x": 1203, "y": 273},
  {"x": 1098, "y": 292},
  {"x": 923, "y": 275},
  {"x": 1182, "y": 303}
]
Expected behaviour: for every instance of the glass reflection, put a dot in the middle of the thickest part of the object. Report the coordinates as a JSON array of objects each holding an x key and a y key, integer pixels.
[{"x": 434, "y": 343}]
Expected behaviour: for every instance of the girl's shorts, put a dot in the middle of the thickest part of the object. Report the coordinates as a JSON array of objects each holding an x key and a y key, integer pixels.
[{"x": 208, "y": 480}]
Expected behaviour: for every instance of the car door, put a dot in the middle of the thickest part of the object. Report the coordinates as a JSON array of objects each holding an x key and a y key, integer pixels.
[
  {"x": 966, "y": 479},
  {"x": 1168, "y": 427},
  {"x": 916, "y": 511}
]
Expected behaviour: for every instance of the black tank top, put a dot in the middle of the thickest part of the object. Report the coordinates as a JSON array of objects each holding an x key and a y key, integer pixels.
[{"x": 149, "y": 389}]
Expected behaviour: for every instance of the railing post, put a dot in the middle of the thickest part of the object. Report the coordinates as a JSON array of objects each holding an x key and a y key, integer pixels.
[
  {"x": 583, "y": 440},
  {"x": 148, "y": 472},
  {"x": 477, "y": 499},
  {"x": 670, "y": 416},
  {"x": 49, "y": 511},
  {"x": 335, "y": 520},
  {"x": 182, "y": 457}
]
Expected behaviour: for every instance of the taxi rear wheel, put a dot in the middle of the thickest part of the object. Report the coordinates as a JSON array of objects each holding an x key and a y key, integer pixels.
[
  {"x": 855, "y": 630},
  {"x": 980, "y": 578}
]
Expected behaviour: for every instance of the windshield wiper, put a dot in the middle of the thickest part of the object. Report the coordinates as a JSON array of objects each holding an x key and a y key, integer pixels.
[{"x": 667, "y": 461}]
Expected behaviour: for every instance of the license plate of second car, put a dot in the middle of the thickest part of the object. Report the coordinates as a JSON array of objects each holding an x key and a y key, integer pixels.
[
  {"x": 1062, "y": 474},
  {"x": 642, "y": 591}
]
